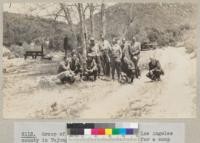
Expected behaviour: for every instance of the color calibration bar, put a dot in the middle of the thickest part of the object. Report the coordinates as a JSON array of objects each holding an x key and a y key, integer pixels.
[
  {"x": 99, "y": 129},
  {"x": 102, "y": 132}
]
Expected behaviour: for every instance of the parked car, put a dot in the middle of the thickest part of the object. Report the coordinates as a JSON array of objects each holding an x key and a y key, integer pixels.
[{"x": 148, "y": 46}]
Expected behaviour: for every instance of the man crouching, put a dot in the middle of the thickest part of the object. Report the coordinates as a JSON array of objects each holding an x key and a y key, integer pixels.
[
  {"x": 128, "y": 70},
  {"x": 65, "y": 74},
  {"x": 91, "y": 69},
  {"x": 155, "y": 70}
]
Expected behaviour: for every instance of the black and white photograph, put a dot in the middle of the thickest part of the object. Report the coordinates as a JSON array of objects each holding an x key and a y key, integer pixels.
[{"x": 99, "y": 60}]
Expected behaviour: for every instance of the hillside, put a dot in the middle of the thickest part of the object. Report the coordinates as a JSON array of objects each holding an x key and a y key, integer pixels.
[
  {"x": 19, "y": 28},
  {"x": 148, "y": 18},
  {"x": 164, "y": 23}
]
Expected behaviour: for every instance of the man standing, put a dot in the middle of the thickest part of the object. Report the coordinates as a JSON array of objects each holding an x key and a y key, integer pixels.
[
  {"x": 116, "y": 56},
  {"x": 66, "y": 45},
  {"x": 105, "y": 47},
  {"x": 94, "y": 50},
  {"x": 134, "y": 51},
  {"x": 122, "y": 45}
]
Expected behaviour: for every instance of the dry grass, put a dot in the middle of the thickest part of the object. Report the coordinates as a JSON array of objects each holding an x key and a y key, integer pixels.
[{"x": 190, "y": 41}]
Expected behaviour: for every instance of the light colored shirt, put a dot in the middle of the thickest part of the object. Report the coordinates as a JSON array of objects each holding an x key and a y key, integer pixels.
[
  {"x": 135, "y": 48},
  {"x": 105, "y": 45},
  {"x": 116, "y": 52},
  {"x": 95, "y": 50}
]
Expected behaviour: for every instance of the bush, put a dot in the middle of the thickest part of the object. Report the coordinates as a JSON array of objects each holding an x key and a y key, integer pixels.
[
  {"x": 19, "y": 28},
  {"x": 7, "y": 53},
  {"x": 190, "y": 41},
  {"x": 185, "y": 27},
  {"x": 153, "y": 34}
]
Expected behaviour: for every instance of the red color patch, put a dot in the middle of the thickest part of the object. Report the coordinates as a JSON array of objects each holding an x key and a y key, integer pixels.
[{"x": 101, "y": 131}]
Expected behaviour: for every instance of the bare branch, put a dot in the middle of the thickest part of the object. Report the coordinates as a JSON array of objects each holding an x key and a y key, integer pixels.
[
  {"x": 10, "y": 5},
  {"x": 58, "y": 14},
  {"x": 86, "y": 7}
]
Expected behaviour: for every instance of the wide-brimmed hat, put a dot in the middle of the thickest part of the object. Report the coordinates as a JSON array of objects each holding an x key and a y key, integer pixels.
[
  {"x": 123, "y": 39},
  {"x": 134, "y": 38},
  {"x": 92, "y": 39},
  {"x": 114, "y": 40},
  {"x": 91, "y": 55}
]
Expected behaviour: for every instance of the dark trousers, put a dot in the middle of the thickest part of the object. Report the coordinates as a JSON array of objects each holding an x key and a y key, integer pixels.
[
  {"x": 99, "y": 65},
  {"x": 137, "y": 69},
  {"x": 130, "y": 73},
  {"x": 105, "y": 64},
  {"x": 69, "y": 79},
  {"x": 155, "y": 74},
  {"x": 116, "y": 65},
  {"x": 88, "y": 74},
  {"x": 78, "y": 71}
]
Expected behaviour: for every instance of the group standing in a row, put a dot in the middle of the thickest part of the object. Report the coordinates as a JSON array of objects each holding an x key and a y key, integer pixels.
[{"x": 119, "y": 58}]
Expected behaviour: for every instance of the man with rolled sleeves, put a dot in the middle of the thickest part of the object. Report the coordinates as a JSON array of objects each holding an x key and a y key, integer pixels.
[
  {"x": 134, "y": 51},
  {"x": 105, "y": 47},
  {"x": 64, "y": 72},
  {"x": 91, "y": 69},
  {"x": 116, "y": 56},
  {"x": 94, "y": 50}
]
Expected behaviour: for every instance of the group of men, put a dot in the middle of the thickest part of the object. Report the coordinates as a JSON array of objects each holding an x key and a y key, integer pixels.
[{"x": 119, "y": 59}]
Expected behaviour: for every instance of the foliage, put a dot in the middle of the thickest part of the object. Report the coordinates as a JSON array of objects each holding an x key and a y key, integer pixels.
[
  {"x": 22, "y": 28},
  {"x": 164, "y": 24}
]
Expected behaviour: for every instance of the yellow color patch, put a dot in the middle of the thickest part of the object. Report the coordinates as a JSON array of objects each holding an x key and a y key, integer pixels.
[{"x": 108, "y": 131}]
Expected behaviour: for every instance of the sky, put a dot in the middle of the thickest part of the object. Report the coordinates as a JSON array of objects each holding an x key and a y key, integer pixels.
[
  {"x": 35, "y": 9},
  {"x": 44, "y": 10}
]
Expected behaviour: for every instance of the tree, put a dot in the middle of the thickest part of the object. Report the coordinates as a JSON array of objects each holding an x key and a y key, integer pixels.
[
  {"x": 68, "y": 17},
  {"x": 130, "y": 19},
  {"x": 92, "y": 8},
  {"x": 79, "y": 8},
  {"x": 103, "y": 20},
  {"x": 82, "y": 31}
]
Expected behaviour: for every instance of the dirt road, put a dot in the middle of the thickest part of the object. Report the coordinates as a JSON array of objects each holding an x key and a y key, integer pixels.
[{"x": 29, "y": 95}]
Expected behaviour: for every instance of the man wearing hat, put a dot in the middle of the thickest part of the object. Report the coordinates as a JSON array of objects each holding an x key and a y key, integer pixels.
[
  {"x": 75, "y": 64},
  {"x": 91, "y": 67},
  {"x": 116, "y": 56},
  {"x": 64, "y": 72},
  {"x": 94, "y": 50},
  {"x": 122, "y": 45},
  {"x": 134, "y": 51},
  {"x": 105, "y": 47},
  {"x": 155, "y": 70}
]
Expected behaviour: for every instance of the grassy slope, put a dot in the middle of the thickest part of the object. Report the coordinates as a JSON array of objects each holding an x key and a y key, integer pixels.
[
  {"x": 161, "y": 17},
  {"x": 18, "y": 28}
]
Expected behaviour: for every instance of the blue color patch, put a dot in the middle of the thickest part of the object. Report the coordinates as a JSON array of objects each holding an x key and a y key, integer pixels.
[{"x": 122, "y": 131}]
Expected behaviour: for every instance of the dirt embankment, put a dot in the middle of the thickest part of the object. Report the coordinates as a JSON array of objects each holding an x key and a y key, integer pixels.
[{"x": 26, "y": 95}]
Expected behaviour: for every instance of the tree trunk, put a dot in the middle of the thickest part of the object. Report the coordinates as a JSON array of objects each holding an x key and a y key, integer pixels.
[
  {"x": 91, "y": 6},
  {"x": 82, "y": 32},
  {"x": 85, "y": 28},
  {"x": 69, "y": 19},
  {"x": 130, "y": 20},
  {"x": 103, "y": 20}
]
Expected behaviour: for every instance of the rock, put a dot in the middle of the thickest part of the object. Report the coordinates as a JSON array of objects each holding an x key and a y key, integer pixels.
[
  {"x": 7, "y": 53},
  {"x": 46, "y": 82}
]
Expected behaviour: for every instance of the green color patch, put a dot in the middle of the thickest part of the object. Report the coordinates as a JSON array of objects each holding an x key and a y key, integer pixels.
[{"x": 115, "y": 131}]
